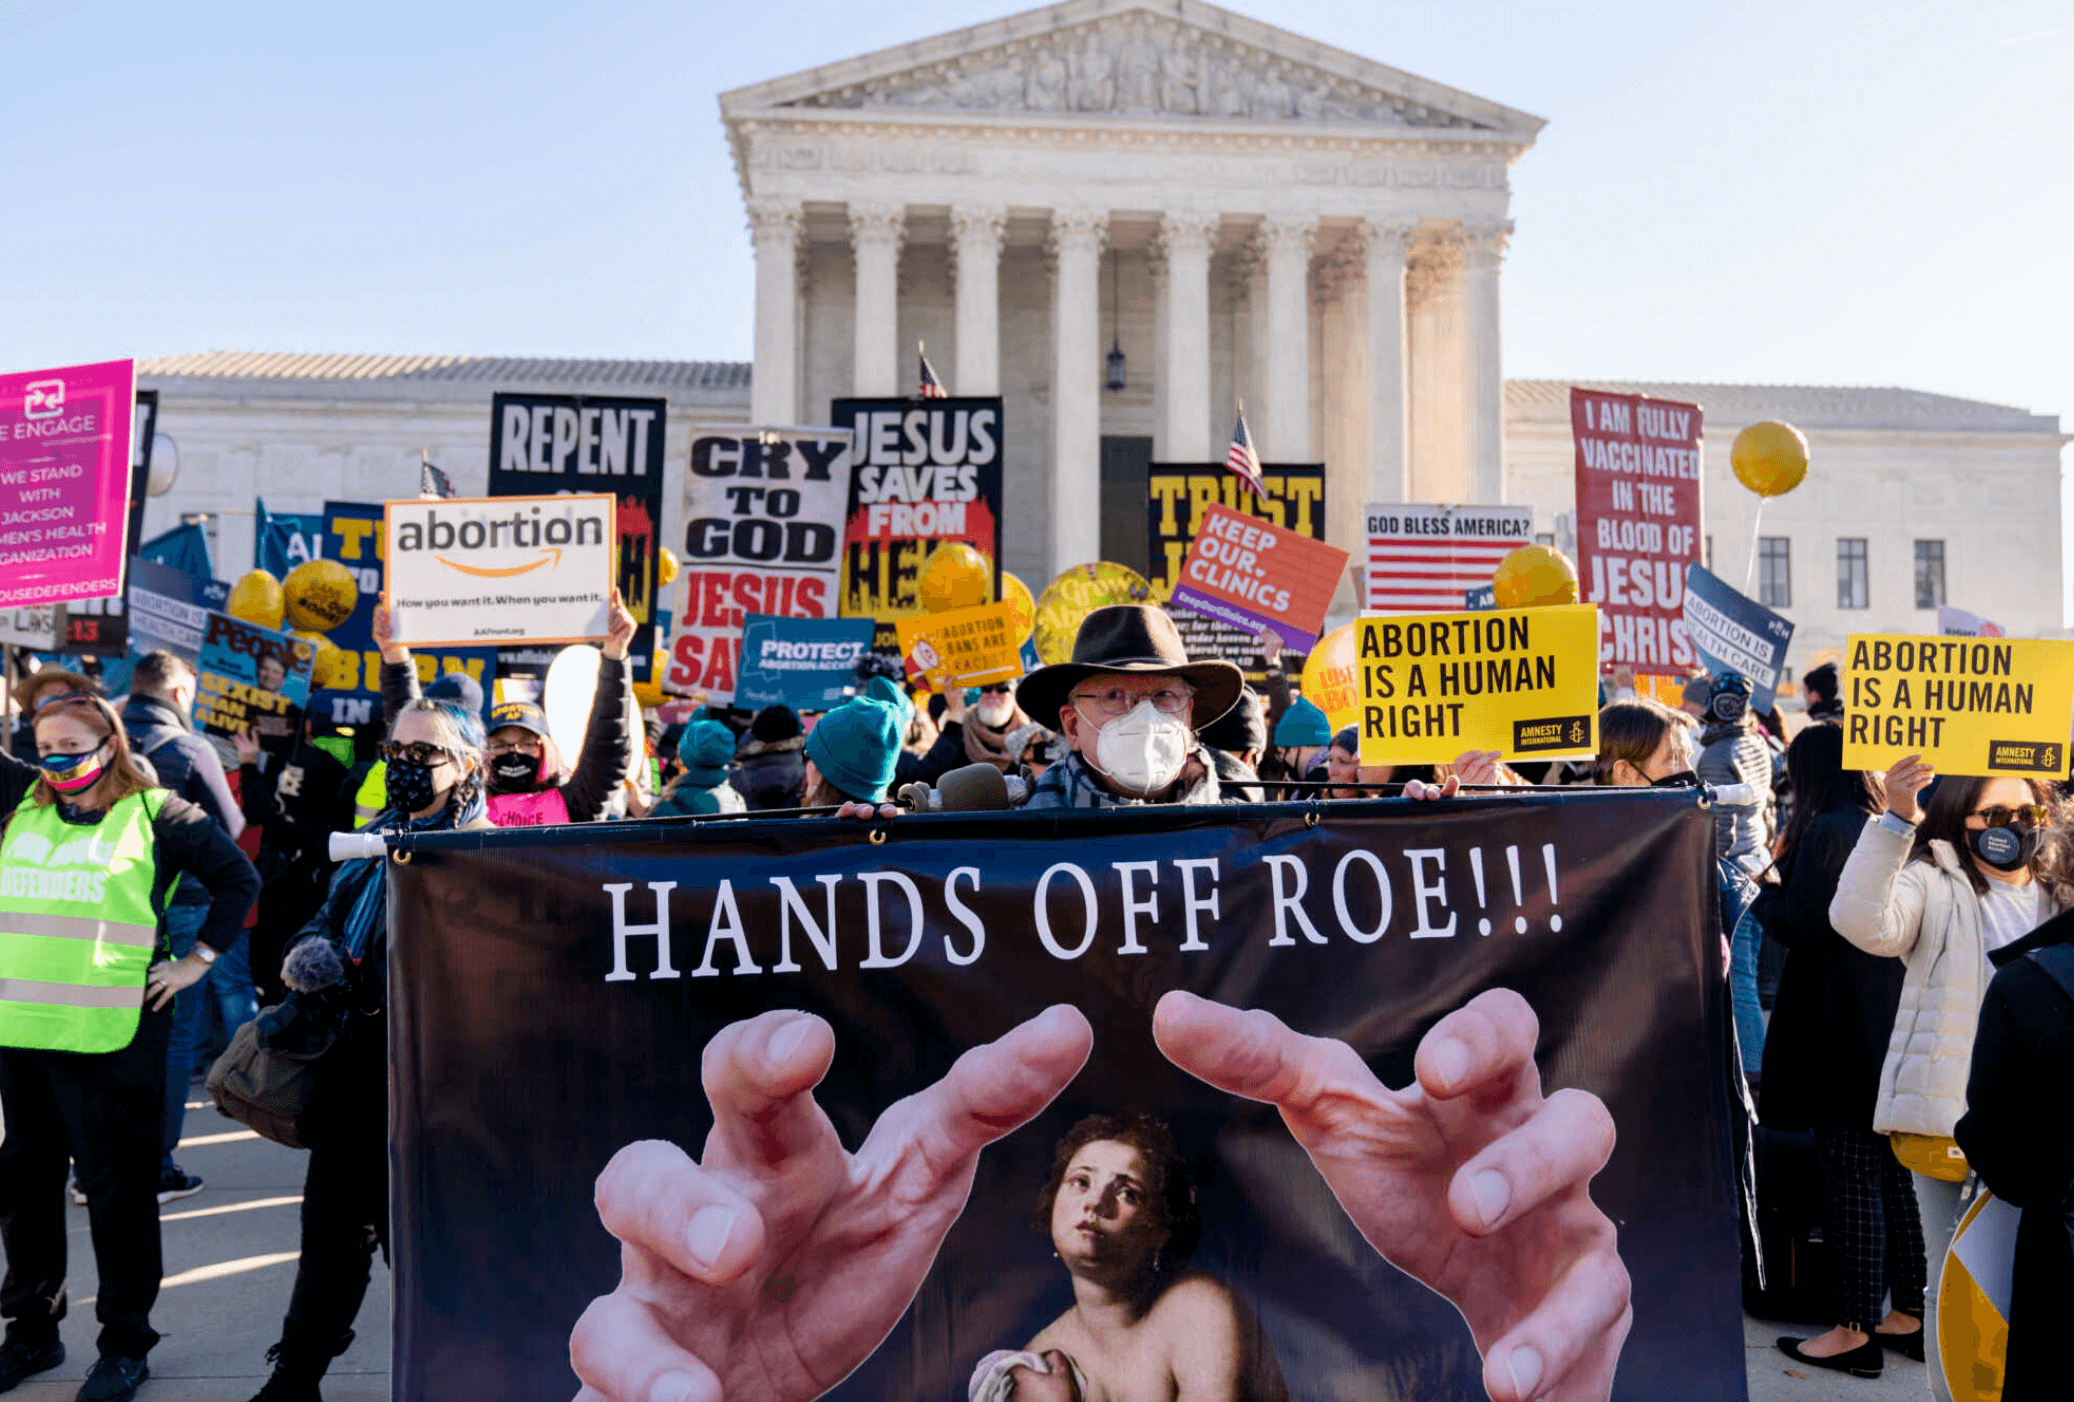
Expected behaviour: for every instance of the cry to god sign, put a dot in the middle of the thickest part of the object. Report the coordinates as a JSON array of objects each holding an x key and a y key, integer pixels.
[
  {"x": 1523, "y": 682},
  {"x": 1967, "y": 705},
  {"x": 499, "y": 569}
]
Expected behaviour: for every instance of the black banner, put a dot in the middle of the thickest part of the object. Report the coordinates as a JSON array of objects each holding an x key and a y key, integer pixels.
[
  {"x": 541, "y": 444},
  {"x": 1176, "y": 495},
  {"x": 554, "y": 992}
]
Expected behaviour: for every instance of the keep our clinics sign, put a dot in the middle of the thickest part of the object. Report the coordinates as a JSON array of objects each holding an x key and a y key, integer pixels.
[
  {"x": 1638, "y": 523},
  {"x": 763, "y": 534}
]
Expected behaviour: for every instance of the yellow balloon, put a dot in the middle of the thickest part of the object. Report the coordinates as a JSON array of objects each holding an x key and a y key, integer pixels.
[
  {"x": 1332, "y": 676},
  {"x": 256, "y": 598},
  {"x": 1770, "y": 458},
  {"x": 1074, "y": 595},
  {"x": 955, "y": 577},
  {"x": 1535, "y": 575},
  {"x": 666, "y": 567},
  {"x": 1014, "y": 591},
  {"x": 320, "y": 595},
  {"x": 334, "y": 664}
]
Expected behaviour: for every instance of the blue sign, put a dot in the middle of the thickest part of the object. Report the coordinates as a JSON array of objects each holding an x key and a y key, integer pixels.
[
  {"x": 1734, "y": 633},
  {"x": 169, "y": 608},
  {"x": 281, "y": 540},
  {"x": 809, "y": 664},
  {"x": 1484, "y": 596}
]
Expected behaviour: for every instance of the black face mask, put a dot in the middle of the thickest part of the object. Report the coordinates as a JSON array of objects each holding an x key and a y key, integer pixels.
[
  {"x": 2006, "y": 849},
  {"x": 516, "y": 772},
  {"x": 411, "y": 786},
  {"x": 1683, "y": 779}
]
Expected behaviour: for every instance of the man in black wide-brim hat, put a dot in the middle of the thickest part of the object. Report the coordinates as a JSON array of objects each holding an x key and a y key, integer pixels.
[{"x": 1129, "y": 705}]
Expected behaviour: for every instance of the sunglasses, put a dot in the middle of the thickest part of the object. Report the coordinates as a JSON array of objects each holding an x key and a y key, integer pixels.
[
  {"x": 995, "y": 690},
  {"x": 2027, "y": 815},
  {"x": 69, "y": 698},
  {"x": 416, "y": 752}
]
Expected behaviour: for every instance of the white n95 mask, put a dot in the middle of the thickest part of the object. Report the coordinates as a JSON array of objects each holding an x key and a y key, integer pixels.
[{"x": 1143, "y": 749}]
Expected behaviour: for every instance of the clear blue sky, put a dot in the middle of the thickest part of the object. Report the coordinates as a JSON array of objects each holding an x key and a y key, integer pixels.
[{"x": 1816, "y": 193}]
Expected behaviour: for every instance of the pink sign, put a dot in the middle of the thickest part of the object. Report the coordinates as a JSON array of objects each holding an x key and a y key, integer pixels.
[{"x": 65, "y": 482}]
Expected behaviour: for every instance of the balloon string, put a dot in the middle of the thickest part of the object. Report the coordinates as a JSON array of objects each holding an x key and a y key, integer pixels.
[{"x": 1756, "y": 527}]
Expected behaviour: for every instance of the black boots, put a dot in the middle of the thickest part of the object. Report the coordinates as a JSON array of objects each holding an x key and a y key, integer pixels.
[{"x": 298, "y": 1368}]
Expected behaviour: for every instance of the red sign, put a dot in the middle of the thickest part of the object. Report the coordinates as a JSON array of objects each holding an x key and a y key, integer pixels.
[
  {"x": 1638, "y": 524},
  {"x": 1244, "y": 571}
]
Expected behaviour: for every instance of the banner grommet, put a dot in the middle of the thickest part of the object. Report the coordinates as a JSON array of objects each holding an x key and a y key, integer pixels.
[
  {"x": 401, "y": 859},
  {"x": 878, "y": 837}
]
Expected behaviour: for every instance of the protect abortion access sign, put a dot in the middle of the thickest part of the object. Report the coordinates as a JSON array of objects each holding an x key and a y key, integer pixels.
[
  {"x": 809, "y": 664},
  {"x": 65, "y": 482},
  {"x": 492, "y": 570}
]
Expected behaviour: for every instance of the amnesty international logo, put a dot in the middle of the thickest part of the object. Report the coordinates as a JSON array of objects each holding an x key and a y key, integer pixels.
[
  {"x": 1551, "y": 735},
  {"x": 2027, "y": 757}
]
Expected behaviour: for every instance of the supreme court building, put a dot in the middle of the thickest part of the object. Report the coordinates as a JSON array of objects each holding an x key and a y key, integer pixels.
[{"x": 1245, "y": 215}]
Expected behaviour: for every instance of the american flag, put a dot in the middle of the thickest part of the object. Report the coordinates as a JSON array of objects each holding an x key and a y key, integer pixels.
[
  {"x": 1241, "y": 458},
  {"x": 927, "y": 386},
  {"x": 1436, "y": 554},
  {"x": 433, "y": 485}
]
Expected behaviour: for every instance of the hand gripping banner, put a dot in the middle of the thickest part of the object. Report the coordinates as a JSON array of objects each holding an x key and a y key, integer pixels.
[{"x": 894, "y": 1111}]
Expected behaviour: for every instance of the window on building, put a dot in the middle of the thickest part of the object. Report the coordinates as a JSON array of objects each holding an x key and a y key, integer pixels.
[
  {"x": 1774, "y": 571},
  {"x": 1546, "y": 538},
  {"x": 1929, "y": 573},
  {"x": 1710, "y": 552},
  {"x": 1851, "y": 574}
]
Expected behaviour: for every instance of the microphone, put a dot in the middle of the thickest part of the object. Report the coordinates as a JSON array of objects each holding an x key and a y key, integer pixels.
[{"x": 975, "y": 788}]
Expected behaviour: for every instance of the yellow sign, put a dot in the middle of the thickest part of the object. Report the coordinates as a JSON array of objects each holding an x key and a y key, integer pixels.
[
  {"x": 1523, "y": 682},
  {"x": 963, "y": 647},
  {"x": 1987, "y": 706}
]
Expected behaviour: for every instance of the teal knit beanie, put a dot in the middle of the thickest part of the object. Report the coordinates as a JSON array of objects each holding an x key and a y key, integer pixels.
[
  {"x": 856, "y": 745},
  {"x": 704, "y": 751},
  {"x": 887, "y": 690},
  {"x": 1303, "y": 724}
]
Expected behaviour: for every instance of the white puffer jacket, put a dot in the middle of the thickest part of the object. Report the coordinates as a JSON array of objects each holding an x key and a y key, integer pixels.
[{"x": 1927, "y": 915}]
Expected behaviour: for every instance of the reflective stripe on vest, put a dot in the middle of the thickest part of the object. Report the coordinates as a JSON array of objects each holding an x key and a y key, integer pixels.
[{"x": 77, "y": 928}]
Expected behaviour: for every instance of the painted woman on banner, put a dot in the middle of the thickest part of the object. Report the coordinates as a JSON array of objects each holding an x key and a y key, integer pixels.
[{"x": 1143, "y": 1327}]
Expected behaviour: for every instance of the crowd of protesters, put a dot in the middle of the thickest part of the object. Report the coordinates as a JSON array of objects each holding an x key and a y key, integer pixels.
[{"x": 1863, "y": 919}]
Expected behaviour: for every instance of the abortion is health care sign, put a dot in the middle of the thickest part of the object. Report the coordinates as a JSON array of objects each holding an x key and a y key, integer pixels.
[
  {"x": 477, "y": 571},
  {"x": 1638, "y": 523},
  {"x": 65, "y": 482}
]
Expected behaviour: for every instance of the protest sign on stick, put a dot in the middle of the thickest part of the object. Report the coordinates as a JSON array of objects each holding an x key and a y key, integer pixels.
[
  {"x": 1257, "y": 576},
  {"x": 964, "y": 647},
  {"x": 923, "y": 474},
  {"x": 169, "y": 609},
  {"x": 1960, "y": 623},
  {"x": 1968, "y": 706},
  {"x": 1734, "y": 633},
  {"x": 39, "y": 627},
  {"x": 251, "y": 678},
  {"x": 1638, "y": 523},
  {"x": 1425, "y": 558},
  {"x": 581, "y": 973},
  {"x": 809, "y": 664},
  {"x": 591, "y": 443},
  {"x": 1179, "y": 496},
  {"x": 473, "y": 571},
  {"x": 1523, "y": 682},
  {"x": 763, "y": 524},
  {"x": 65, "y": 482}
]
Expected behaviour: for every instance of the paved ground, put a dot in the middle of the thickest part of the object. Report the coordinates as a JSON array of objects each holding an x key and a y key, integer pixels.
[{"x": 230, "y": 1258}]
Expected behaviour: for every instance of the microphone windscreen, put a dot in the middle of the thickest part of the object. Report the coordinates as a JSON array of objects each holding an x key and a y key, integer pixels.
[{"x": 974, "y": 788}]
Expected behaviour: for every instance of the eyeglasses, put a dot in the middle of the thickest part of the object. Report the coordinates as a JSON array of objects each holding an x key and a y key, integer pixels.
[
  {"x": 524, "y": 745},
  {"x": 416, "y": 752},
  {"x": 2028, "y": 815},
  {"x": 1113, "y": 701}
]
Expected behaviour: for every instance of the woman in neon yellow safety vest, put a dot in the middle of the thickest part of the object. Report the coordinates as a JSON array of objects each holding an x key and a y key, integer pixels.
[{"x": 90, "y": 851}]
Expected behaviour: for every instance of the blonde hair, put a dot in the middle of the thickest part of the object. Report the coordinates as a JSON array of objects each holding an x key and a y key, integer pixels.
[{"x": 120, "y": 777}]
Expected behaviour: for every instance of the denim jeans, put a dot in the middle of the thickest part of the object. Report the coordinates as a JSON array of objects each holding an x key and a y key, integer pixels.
[
  {"x": 1940, "y": 1205},
  {"x": 183, "y": 923},
  {"x": 228, "y": 1003},
  {"x": 1737, "y": 891}
]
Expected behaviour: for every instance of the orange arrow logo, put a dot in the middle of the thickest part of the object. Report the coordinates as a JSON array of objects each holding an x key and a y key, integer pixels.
[{"x": 547, "y": 557}]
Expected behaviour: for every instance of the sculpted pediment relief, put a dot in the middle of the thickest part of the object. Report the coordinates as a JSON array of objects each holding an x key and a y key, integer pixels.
[{"x": 1136, "y": 65}]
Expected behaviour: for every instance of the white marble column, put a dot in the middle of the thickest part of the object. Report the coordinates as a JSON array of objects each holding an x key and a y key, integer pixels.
[
  {"x": 1258, "y": 411},
  {"x": 1184, "y": 332},
  {"x": 875, "y": 233},
  {"x": 1287, "y": 240},
  {"x": 1389, "y": 398},
  {"x": 976, "y": 253},
  {"x": 1341, "y": 372},
  {"x": 774, "y": 380},
  {"x": 1483, "y": 248},
  {"x": 1077, "y": 237}
]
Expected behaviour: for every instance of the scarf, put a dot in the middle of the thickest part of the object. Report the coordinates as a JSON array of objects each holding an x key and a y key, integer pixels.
[
  {"x": 359, "y": 886},
  {"x": 1071, "y": 784},
  {"x": 986, "y": 745}
]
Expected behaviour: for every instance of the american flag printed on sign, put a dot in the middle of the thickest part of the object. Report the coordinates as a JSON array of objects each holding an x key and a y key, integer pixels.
[{"x": 1426, "y": 559}]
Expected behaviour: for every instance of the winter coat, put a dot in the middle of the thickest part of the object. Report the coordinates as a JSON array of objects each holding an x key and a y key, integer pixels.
[
  {"x": 2023, "y": 1151},
  {"x": 186, "y": 765},
  {"x": 770, "y": 774},
  {"x": 1926, "y": 915},
  {"x": 1734, "y": 754},
  {"x": 1827, "y": 1039},
  {"x": 692, "y": 801}
]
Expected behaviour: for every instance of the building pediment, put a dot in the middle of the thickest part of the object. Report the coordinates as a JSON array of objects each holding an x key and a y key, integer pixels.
[{"x": 1128, "y": 59}]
